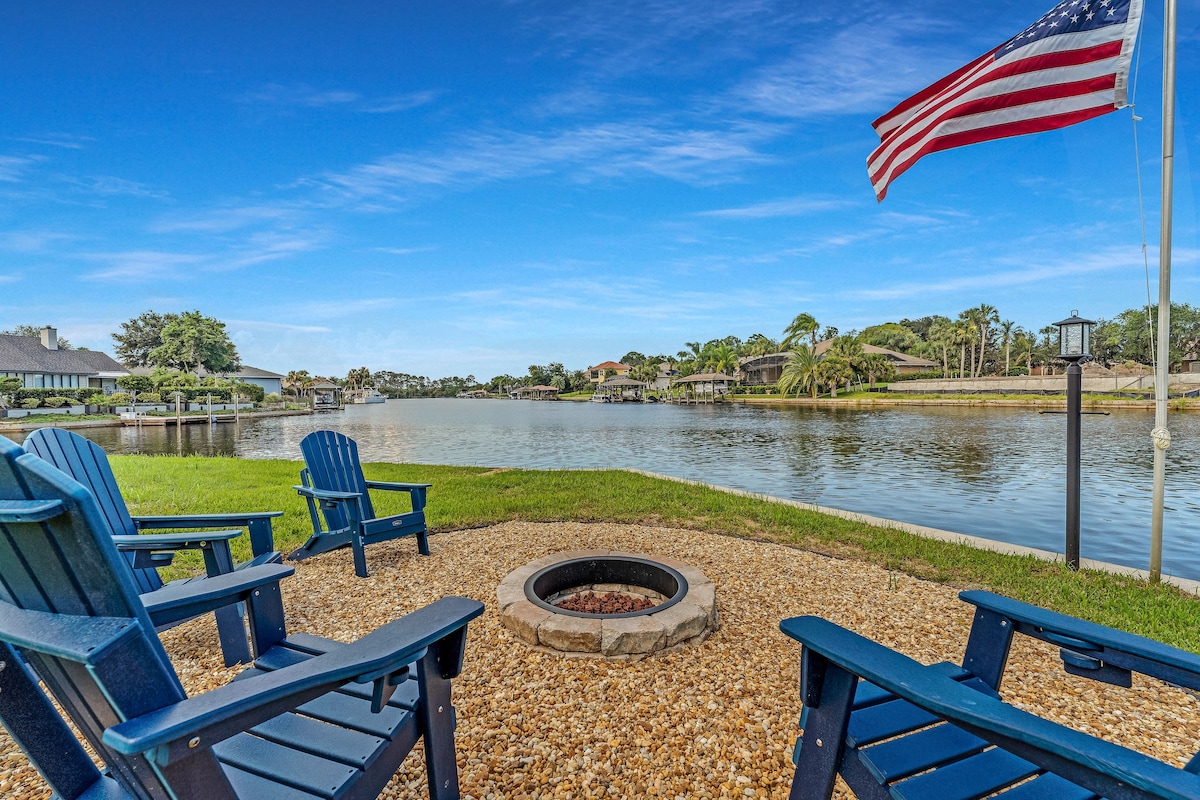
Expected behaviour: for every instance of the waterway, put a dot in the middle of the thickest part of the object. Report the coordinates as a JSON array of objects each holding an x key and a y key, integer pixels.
[{"x": 997, "y": 473}]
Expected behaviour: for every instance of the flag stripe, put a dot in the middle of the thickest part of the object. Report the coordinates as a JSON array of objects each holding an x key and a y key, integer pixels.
[
  {"x": 1010, "y": 90},
  {"x": 995, "y": 70},
  {"x": 999, "y": 128},
  {"x": 1069, "y": 66}
]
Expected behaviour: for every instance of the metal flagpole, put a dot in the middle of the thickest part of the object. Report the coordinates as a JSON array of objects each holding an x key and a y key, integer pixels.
[{"x": 1160, "y": 434}]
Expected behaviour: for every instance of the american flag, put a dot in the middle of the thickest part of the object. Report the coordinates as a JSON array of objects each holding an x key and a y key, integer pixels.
[{"x": 1069, "y": 66}]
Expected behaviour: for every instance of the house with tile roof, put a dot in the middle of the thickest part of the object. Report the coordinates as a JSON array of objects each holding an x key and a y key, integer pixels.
[
  {"x": 597, "y": 374},
  {"x": 40, "y": 363}
]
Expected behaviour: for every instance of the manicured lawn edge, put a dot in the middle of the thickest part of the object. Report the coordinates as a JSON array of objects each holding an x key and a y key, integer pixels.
[{"x": 469, "y": 497}]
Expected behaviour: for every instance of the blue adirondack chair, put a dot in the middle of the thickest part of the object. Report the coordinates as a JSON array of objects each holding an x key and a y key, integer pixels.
[
  {"x": 332, "y": 483},
  {"x": 899, "y": 730},
  {"x": 311, "y": 718},
  {"x": 87, "y": 463}
]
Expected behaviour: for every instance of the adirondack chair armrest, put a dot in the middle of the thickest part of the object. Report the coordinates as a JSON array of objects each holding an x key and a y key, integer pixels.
[
  {"x": 175, "y": 732},
  {"x": 75, "y": 638},
  {"x": 1100, "y": 766},
  {"x": 156, "y": 550},
  {"x": 258, "y": 523},
  {"x": 326, "y": 494},
  {"x": 173, "y": 541},
  {"x": 392, "y": 486},
  {"x": 182, "y": 601},
  {"x": 1088, "y": 649}
]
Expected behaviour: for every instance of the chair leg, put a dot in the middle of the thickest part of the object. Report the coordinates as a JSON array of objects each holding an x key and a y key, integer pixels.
[
  {"x": 232, "y": 632},
  {"x": 829, "y": 695},
  {"x": 437, "y": 729},
  {"x": 423, "y": 542},
  {"x": 360, "y": 555}
]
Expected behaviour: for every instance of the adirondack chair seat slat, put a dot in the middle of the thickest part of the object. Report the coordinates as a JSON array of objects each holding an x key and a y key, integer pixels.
[
  {"x": 87, "y": 463},
  {"x": 973, "y": 777},
  {"x": 339, "y": 502},
  {"x": 290, "y": 766},
  {"x": 337, "y": 743},
  {"x": 894, "y": 717},
  {"x": 905, "y": 756},
  {"x": 249, "y": 784},
  {"x": 1048, "y": 786}
]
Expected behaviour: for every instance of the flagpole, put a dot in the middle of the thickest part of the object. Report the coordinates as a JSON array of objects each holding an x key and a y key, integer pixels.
[{"x": 1160, "y": 434}]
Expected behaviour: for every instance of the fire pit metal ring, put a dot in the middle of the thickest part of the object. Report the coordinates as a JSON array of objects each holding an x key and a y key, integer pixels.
[
  {"x": 599, "y": 572},
  {"x": 686, "y": 612}
]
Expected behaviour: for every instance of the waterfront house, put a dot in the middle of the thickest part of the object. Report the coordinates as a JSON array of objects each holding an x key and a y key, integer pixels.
[
  {"x": 662, "y": 379},
  {"x": 761, "y": 370},
  {"x": 597, "y": 374},
  {"x": 41, "y": 364},
  {"x": 903, "y": 362}
]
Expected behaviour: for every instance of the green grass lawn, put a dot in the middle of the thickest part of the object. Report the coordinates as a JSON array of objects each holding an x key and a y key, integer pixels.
[{"x": 466, "y": 497}]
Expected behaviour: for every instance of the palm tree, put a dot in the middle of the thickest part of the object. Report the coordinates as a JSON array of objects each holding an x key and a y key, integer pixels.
[
  {"x": 877, "y": 365},
  {"x": 721, "y": 358},
  {"x": 835, "y": 371},
  {"x": 941, "y": 334},
  {"x": 803, "y": 325},
  {"x": 801, "y": 372},
  {"x": 983, "y": 316},
  {"x": 1006, "y": 336},
  {"x": 299, "y": 380}
]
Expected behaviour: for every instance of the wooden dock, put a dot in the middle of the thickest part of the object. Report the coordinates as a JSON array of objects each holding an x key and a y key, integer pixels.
[{"x": 192, "y": 419}]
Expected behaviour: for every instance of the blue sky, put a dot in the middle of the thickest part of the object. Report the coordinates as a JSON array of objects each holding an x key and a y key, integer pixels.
[{"x": 473, "y": 187}]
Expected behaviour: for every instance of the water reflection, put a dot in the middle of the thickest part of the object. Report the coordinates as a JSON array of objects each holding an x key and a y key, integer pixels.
[{"x": 996, "y": 473}]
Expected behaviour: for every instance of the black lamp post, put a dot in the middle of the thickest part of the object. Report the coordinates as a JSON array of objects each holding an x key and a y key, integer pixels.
[{"x": 1074, "y": 341}]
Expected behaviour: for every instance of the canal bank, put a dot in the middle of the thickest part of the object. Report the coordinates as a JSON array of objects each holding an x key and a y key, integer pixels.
[{"x": 32, "y": 423}]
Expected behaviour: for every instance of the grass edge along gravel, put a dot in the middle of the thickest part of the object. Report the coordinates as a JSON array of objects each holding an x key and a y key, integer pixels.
[{"x": 473, "y": 497}]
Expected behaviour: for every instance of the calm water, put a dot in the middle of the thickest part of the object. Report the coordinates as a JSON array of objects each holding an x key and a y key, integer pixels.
[{"x": 995, "y": 473}]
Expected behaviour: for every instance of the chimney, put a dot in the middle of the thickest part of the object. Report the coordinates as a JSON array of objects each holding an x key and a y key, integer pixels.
[{"x": 49, "y": 338}]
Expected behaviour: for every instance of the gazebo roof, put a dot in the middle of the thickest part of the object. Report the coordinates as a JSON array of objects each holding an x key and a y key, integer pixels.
[{"x": 706, "y": 377}]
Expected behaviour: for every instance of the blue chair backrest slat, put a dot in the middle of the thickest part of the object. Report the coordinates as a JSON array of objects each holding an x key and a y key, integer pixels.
[{"x": 86, "y": 462}]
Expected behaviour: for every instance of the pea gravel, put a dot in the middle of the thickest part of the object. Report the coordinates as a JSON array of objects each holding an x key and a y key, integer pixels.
[{"x": 717, "y": 719}]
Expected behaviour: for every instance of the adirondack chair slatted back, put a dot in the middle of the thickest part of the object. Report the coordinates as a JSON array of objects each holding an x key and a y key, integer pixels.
[
  {"x": 331, "y": 463},
  {"x": 86, "y": 462},
  {"x": 95, "y": 649}
]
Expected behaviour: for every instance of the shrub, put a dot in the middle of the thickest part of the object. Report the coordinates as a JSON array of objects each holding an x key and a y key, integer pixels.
[
  {"x": 30, "y": 402},
  {"x": 150, "y": 397},
  {"x": 119, "y": 399},
  {"x": 55, "y": 402},
  {"x": 271, "y": 398},
  {"x": 99, "y": 399}
]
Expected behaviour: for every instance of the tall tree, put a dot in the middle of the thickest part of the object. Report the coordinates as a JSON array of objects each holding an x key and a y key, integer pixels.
[
  {"x": 141, "y": 336},
  {"x": 801, "y": 373},
  {"x": 985, "y": 316},
  {"x": 1007, "y": 329},
  {"x": 191, "y": 341},
  {"x": 802, "y": 325}
]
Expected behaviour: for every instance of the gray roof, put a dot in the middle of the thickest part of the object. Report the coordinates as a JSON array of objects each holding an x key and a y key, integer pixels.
[{"x": 26, "y": 354}]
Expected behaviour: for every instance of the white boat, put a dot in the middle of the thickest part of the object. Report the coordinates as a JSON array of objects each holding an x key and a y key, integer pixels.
[{"x": 365, "y": 396}]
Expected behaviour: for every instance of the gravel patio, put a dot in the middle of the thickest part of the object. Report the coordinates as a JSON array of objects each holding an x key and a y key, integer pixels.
[{"x": 716, "y": 719}]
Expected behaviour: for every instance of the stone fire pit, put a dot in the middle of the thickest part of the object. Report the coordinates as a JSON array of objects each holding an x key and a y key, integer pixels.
[{"x": 685, "y": 599}]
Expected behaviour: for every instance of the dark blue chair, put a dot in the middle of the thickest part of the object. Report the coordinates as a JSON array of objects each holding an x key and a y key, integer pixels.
[
  {"x": 86, "y": 462},
  {"x": 339, "y": 502},
  {"x": 897, "y": 730},
  {"x": 311, "y": 718}
]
